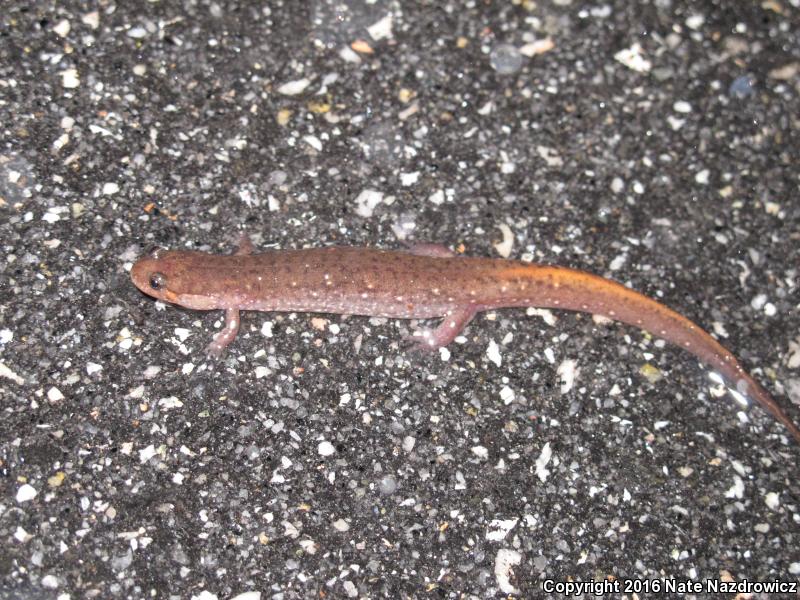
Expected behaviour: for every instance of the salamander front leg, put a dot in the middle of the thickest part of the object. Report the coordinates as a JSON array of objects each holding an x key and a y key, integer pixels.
[
  {"x": 227, "y": 335},
  {"x": 452, "y": 324}
]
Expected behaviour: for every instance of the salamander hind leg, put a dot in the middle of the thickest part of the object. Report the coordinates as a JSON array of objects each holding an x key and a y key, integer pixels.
[
  {"x": 452, "y": 324},
  {"x": 227, "y": 335}
]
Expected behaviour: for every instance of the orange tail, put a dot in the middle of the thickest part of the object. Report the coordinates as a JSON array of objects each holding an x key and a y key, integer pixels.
[{"x": 580, "y": 291}]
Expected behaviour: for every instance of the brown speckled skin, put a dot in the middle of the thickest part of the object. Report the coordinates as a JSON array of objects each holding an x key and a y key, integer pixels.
[{"x": 364, "y": 281}]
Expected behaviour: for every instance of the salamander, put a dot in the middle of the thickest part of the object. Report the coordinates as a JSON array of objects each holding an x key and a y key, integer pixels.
[{"x": 423, "y": 282}]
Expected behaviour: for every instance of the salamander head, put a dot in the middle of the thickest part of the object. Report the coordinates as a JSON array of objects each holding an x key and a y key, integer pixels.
[{"x": 173, "y": 276}]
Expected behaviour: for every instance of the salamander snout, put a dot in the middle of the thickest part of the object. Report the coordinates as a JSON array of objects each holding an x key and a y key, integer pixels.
[{"x": 148, "y": 274}]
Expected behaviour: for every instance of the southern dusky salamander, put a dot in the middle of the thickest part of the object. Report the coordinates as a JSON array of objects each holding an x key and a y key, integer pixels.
[{"x": 427, "y": 281}]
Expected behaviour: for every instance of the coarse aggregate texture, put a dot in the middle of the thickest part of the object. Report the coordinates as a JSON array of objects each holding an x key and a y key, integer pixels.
[{"x": 653, "y": 143}]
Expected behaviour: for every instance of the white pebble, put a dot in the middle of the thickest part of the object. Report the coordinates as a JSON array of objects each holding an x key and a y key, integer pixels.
[
  {"x": 62, "y": 28},
  {"x": 137, "y": 32},
  {"x": 26, "y": 492},
  {"x": 504, "y": 247},
  {"x": 70, "y": 79},
  {"x": 110, "y": 188},
  {"x": 366, "y": 202},
  {"x": 169, "y": 402},
  {"x": 480, "y": 451},
  {"x": 493, "y": 353},
  {"x": 91, "y": 19},
  {"x": 507, "y": 395},
  {"x": 759, "y": 301},
  {"x": 314, "y": 142},
  {"x": 292, "y": 88},
  {"x": 92, "y": 368},
  {"x": 567, "y": 372},
  {"x": 248, "y": 596},
  {"x": 21, "y": 535},
  {"x": 634, "y": 59},
  {"x": 683, "y": 107},
  {"x": 695, "y": 22},
  {"x": 437, "y": 197},
  {"x": 147, "y": 453},
  {"x": 504, "y": 563},
  {"x": 341, "y": 525},
  {"x": 381, "y": 29},
  {"x": 407, "y": 179},
  {"x": 772, "y": 500},
  {"x": 541, "y": 462},
  {"x": 499, "y": 529},
  {"x": 325, "y": 448}
]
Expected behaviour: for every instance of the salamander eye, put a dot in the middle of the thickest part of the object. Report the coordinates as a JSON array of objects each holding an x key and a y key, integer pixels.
[
  {"x": 154, "y": 252},
  {"x": 158, "y": 281}
]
